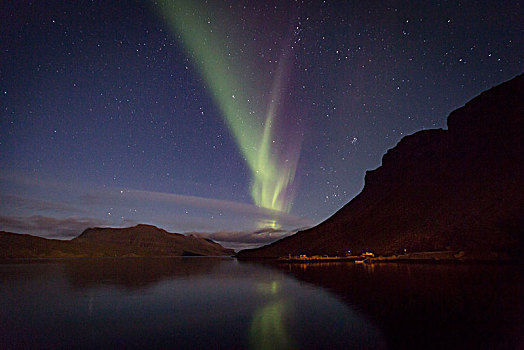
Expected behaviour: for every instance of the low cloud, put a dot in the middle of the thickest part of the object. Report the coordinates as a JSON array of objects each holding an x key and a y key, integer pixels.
[
  {"x": 44, "y": 226},
  {"x": 36, "y": 215},
  {"x": 17, "y": 202},
  {"x": 184, "y": 201},
  {"x": 243, "y": 240}
]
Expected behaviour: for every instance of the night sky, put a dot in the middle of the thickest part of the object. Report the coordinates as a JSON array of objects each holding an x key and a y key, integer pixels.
[{"x": 241, "y": 120}]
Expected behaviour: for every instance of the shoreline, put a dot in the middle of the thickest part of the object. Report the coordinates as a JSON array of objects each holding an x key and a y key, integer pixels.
[{"x": 439, "y": 257}]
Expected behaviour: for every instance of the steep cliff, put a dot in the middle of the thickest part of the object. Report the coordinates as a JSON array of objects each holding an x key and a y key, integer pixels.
[{"x": 454, "y": 189}]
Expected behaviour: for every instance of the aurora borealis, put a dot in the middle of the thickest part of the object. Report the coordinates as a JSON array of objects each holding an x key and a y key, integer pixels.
[
  {"x": 240, "y": 120},
  {"x": 271, "y": 168}
]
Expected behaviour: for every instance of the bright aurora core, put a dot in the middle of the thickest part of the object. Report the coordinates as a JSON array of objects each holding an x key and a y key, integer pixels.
[{"x": 272, "y": 163}]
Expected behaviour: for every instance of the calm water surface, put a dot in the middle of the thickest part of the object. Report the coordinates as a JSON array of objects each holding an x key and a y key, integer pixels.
[
  {"x": 222, "y": 303},
  {"x": 178, "y": 303},
  {"x": 430, "y": 306}
]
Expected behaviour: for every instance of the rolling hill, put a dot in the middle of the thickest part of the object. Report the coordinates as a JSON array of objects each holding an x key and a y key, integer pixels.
[{"x": 140, "y": 240}]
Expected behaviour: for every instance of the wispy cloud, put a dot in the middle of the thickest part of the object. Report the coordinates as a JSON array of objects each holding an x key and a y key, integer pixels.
[
  {"x": 45, "y": 226},
  {"x": 34, "y": 204},
  {"x": 184, "y": 201},
  {"x": 215, "y": 204},
  {"x": 132, "y": 206},
  {"x": 242, "y": 240}
]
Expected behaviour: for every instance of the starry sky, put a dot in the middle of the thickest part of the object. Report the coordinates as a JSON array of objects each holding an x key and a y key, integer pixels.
[{"x": 242, "y": 121}]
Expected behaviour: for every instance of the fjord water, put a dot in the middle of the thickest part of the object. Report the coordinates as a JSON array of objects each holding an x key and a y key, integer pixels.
[
  {"x": 184, "y": 303},
  {"x": 223, "y": 303},
  {"x": 431, "y": 305}
]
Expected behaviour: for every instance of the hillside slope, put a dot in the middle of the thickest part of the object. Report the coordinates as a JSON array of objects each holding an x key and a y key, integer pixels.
[
  {"x": 140, "y": 240},
  {"x": 148, "y": 240},
  {"x": 455, "y": 189}
]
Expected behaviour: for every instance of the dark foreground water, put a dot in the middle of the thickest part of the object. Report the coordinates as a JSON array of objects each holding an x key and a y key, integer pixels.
[{"x": 213, "y": 303}]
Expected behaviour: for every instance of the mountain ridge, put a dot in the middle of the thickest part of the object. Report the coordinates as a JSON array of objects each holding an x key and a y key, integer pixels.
[
  {"x": 139, "y": 240},
  {"x": 454, "y": 189}
]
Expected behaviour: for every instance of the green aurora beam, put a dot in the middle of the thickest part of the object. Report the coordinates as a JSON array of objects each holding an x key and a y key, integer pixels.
[{"x": 271, "y": 178}]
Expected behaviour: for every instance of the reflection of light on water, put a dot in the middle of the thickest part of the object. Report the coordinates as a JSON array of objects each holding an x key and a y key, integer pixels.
[
  {"x": 303, "y": 267},
  {"x": 269, "y": 288},
  {"x": 267, "y": 329},
  {"x": 370, "y": 268}
]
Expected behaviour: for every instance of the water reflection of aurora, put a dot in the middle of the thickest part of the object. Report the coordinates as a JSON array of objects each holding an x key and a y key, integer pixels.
[{"x": 268, "y": 329}]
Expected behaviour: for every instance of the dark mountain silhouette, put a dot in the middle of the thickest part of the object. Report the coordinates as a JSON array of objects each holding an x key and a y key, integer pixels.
[
  {"x": 140, "y": 240},
  {"x": 454, "y": 189}
]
